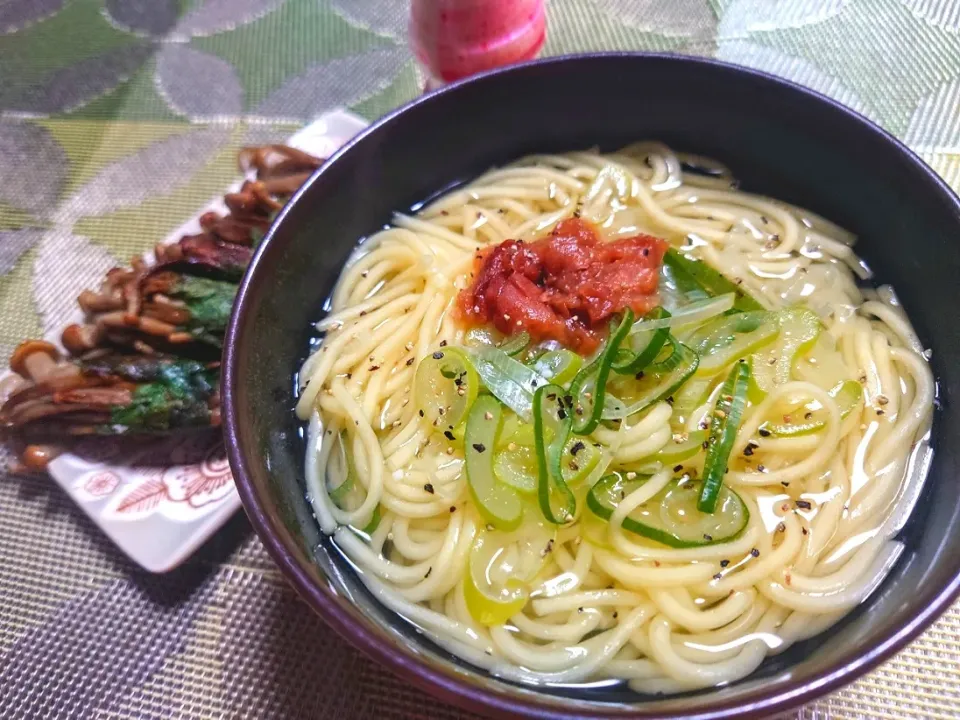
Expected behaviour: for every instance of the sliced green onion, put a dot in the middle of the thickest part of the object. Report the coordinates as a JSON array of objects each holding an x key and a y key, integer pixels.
[
  {"x": 677, "y": 288},
  {"x": 511, "y": 424},
  {"x": 697, "y": 312},
  {"x": 675, "y": 451},
  {"x": 498, "y": 504},
  {"x": 723, "y": 432},
  {"x": 515, "y": 344},
  {"x": 641, "y": 348},
  {"x": 579, "y": 459},
  {"x": 848, "y": 394},
  {"x": 732, "y": 337},
  {"x": 492, "y": 602},
  {"x": 501, "y": 567},
  {"x": 799, "y": 330},
  {"x": 486, "y": 337},
  {"x": 558, "y": 366},
  {"x": 516, "y": 465},
  {"x": 671, "y": 516},
  {"x": 723, "y": 331},
  {"x": 515, "y": 431},
  {"x": 688, "y": 398},
  {"x": 658, "y": 382},
  {"x": 445, "y": 387},
  {"x": 510, "y": 381},
  {"x": 590, "y": 385},
  {"x": 480, "y": 337},
  {"x": 690, "y": 275},
  {"x": 533, "y": 352},
  {"x": 551, "y": 426}
]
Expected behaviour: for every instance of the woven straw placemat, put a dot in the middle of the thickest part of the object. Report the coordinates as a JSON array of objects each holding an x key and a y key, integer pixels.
[{"x": 120, "y": 118}]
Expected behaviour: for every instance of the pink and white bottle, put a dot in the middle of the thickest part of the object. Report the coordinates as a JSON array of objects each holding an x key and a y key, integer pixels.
[{"x": 453, "y": 39}]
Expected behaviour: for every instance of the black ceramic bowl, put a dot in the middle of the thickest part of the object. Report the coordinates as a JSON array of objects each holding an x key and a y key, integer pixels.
[{"x": 779, "y": 139}]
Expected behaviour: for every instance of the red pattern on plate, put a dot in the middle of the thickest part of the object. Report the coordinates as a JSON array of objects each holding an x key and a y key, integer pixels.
[
  {"x": 102, "y": 483},
  {"x": 176, "y": 477},
  {"x": 143, "y": 497},
  {"x": 200, "y": 484},
  {"x": 215, "y": 477},
  {"x": 204, "y": 490}
]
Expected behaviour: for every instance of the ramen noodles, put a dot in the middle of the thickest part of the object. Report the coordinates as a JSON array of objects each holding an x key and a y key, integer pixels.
[{"x": 606, "y": 417}]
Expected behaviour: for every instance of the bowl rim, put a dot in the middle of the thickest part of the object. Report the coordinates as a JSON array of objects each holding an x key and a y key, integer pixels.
[{"x": 344, "y": 618}]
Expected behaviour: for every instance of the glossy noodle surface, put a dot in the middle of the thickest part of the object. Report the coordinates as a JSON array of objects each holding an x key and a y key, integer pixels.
[{"x": 589, "y": 479}]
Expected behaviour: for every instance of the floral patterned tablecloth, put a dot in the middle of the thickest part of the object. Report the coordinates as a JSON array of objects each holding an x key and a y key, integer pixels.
[{"x": 119, "y": 119}]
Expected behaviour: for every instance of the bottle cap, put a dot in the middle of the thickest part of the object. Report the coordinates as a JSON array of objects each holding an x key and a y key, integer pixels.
[{"x": 457, "y": 38}]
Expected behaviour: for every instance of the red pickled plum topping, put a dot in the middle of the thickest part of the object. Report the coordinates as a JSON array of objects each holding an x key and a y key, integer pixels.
[{"x": 565, "y": 286}]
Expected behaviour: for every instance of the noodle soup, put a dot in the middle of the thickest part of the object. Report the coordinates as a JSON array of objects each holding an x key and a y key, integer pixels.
[{"x": 606, "y": 417}]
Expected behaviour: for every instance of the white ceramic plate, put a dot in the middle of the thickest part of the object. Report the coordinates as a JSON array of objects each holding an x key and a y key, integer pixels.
[{"x": 158, "y": 500}]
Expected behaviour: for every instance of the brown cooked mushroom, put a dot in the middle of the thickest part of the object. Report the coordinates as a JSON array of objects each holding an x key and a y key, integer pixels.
[
  {"x": 34, "y": 359},
  {"x": 35, "y": 458},
  {"x": 91, "y": 302},
  {"x": 78, "y": 339},
  {"x": 273, "y": 160},
  {"x": 39, "y": 362}
]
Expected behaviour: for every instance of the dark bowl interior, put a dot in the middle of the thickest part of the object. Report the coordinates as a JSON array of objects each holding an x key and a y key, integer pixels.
[{"x": 779, "y": 139}]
